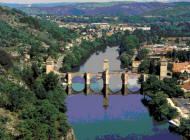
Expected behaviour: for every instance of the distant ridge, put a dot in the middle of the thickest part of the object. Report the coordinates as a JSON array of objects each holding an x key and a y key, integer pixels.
[
  {"x": 15, "y": 5},
  {"x": 109, "y": 8}
]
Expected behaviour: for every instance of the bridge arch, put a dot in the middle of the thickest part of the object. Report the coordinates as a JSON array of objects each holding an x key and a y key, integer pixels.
[
  {"x": 115, "y": 83},
  {"x": 96, "y": 83},
  {"x": 133, "y": 85},
  {"x": 78, "y": 83}
]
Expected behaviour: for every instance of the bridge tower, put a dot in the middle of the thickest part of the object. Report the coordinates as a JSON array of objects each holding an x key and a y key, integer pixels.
[
  {"x": 87, "y": 83},
  {"x": 106, "y": 77},
  {"x": 49, "y": 65},
  {"x": 69, "y": 79},
  {"x": 163, "y": 68},
  {"x": 106, "y": 65},
  {"x": 106, "y": 72},
  {"x": 69, "y": 83}
]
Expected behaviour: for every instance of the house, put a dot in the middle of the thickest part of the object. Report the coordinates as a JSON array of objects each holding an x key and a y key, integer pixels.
[
  {"x": 144, "y": 28},
  {"x": 135, "y": 66},
  {"x": 181, "y": 67},
  {"x": 109, "y": 33},
  {"x": 186, "y": 86}
]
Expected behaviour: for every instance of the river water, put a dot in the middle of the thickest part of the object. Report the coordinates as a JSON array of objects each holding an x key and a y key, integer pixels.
[{"x": 124, "y": 117}]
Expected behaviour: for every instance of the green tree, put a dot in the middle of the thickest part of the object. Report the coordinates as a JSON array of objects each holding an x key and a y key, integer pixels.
[
  {"x": 5, "y": 60},
  {"x": 142, "y": 54},
  {"x": 125, "y": 60},
  {"x": 184, "y": 127},
  {"x": 50, "y": 81}
]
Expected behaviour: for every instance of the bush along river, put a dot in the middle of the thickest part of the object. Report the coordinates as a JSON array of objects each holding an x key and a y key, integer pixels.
[{"x": 117, "y": 118}]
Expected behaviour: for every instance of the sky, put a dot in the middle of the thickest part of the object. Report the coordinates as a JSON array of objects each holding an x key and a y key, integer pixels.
[{"x": 52, "y": 1}]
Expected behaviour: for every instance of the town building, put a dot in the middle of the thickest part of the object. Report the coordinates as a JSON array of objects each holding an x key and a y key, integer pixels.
[
  {"x": 181, "y": 67},
  {"x": 135, "y": 66}
]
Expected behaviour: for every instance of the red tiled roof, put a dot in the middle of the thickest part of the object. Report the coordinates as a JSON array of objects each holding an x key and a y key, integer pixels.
[
  {"x": 186, "y": 86},
  {"x": 178, "y": 67}
]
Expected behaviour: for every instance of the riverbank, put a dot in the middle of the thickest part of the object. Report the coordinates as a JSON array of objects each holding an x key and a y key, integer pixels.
[
  {"x": 79, "y": 54},
  {"x": 182, "y": 113},
  {"x": 70, "y": 135},
  {"x": 161, "y": 105}
]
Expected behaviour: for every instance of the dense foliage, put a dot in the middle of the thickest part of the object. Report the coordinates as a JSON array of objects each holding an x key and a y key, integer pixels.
[
  {"x": 158, "y": 91},
  {"x": 167, "y": 86},
  {"x": 5, "y": 60},
  {"x": 40, "y": 106},
  {"x": 32, "y": 35},
  {"x": 184, "y": 127},
  {"x": 142, "y": 54},
  {"x": 127, "y": 19},
  {"x": 127, "y": 49},
  {"x": 3, "y": 129},
  {"x": 159, "y": 107},
  {"x": 182, "y": 56},
  {"x": 149, "y": 66}
]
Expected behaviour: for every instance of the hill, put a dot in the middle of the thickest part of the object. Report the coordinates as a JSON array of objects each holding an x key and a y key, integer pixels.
[
  {"x": 110, "y": 8},
  {"x": 173, "y": 9},
  {"x": 21, "y": 34},
  {"x": 31, "y": 103}
]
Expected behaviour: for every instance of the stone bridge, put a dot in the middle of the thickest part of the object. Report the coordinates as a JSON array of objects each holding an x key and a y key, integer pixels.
[{"x": 105, "y": 76}]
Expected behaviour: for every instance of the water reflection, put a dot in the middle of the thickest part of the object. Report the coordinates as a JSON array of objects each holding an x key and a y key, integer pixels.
[
  {"x": 115, "y": 84},
  {"x": 105, "y": 103},
  {"x": 115, "y": 117},
  {"x": 125, "y": 119},
  {"x": 95, "y": 62},
  {"x": 96, "y": 84},
  {"x": 79, "y": 83}
]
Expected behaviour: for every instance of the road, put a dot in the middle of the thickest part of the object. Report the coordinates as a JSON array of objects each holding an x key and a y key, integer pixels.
[
  {"x": 59, "y": 63},
  {"x": 184, "y": 104}
]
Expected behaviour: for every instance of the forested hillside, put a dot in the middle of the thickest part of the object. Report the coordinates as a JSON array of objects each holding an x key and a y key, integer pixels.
[
  {"x": 31, "y": 102},
  {"x": 35, "y": 36}
]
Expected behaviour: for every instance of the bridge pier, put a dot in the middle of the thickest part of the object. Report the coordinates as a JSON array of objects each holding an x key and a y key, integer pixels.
[
  {"x": 106, "y": 91},
  {"x": 87, "y": 78},
  {"x": 87, "y": 89},
  {"x": 69, "y": 79},
  {"x": 124, "y": 83},
  {"x": 69, "y": 89},
  {"x": 105, "y": 103},
  {"x": 106, "y": 78},
  {"x": 87, "y": 83}
]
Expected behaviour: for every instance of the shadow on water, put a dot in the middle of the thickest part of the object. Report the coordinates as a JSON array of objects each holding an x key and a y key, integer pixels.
[{"x": 164, "y": 136}]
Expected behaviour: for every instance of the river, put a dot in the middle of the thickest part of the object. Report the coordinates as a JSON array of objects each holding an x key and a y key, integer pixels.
[{"x": 125, "y": 117}]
